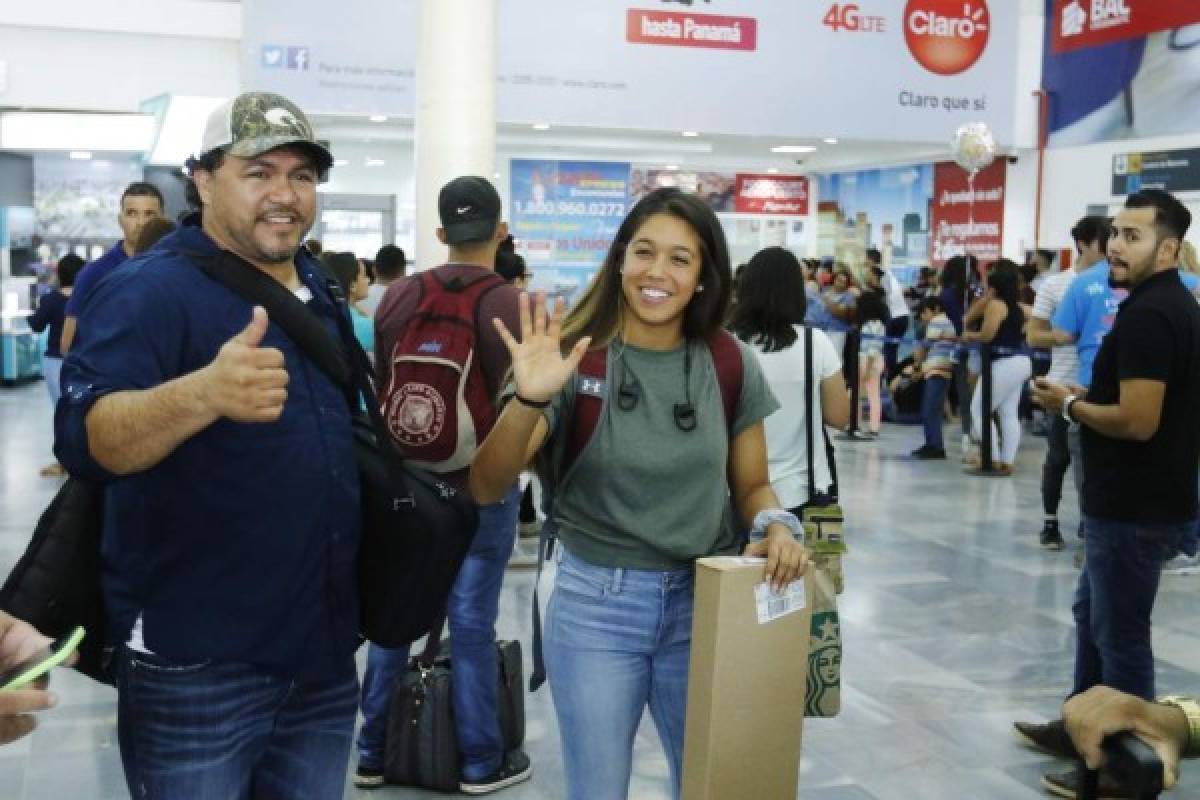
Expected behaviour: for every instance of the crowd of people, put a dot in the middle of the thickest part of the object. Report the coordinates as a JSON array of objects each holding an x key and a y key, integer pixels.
[{"x": 234, "y": 636}]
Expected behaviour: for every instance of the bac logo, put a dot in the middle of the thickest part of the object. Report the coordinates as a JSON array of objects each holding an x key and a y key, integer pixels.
[
  {"x": 278, "y": 57},
  {"x": 946, "y": 37},
  {"x": 430, "y": 347},
  {"x": 1073, "y": 19}
]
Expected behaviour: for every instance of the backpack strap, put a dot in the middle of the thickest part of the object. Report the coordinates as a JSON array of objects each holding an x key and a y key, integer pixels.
[
  {"x": 589, "y": 399},
  {"x": 585, "y": 411},
  {"x": 727, "y": 359}
]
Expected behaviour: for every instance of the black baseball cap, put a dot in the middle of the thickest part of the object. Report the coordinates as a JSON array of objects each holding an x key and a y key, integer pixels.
[{"x": 469, "y": 208}]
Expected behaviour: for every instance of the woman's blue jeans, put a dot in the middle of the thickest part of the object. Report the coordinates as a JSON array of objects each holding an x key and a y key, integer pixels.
[{"x": 617, "y": 641}]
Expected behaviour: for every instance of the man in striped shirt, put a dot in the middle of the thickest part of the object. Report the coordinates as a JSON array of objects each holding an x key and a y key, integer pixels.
[{"x": 1090, "y": 234}]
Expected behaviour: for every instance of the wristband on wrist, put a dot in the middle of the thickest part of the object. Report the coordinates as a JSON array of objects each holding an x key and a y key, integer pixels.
[
  {"x": 771, "y": 515},
  {"x": 525, "y": 401},
  {"x": 1191, "y": 710}
]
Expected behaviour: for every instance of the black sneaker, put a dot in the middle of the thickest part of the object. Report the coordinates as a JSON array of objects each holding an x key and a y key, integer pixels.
[
  {"x": 1050, "y": 537},
  {"x": 1067, "y": 784},
  {"x": 927, "y": 453},
  {"x": 1051, "y": 737},
  {"x": 366, "y": 778},
  {"x": 513, "y": 770}
]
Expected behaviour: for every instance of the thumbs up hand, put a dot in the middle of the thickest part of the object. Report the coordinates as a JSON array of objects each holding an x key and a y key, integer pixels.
[{"x": 248, "y": 383}]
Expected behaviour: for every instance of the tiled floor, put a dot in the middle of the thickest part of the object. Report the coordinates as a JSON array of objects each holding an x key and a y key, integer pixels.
[{"x": 955, "y": 623}]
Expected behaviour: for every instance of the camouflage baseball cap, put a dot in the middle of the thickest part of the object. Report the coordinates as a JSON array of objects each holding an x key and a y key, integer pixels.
[{"x": 254, "y": 122}]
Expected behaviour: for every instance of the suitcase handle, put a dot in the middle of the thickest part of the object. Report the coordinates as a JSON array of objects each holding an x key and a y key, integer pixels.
[{"x": 1132, "y": 762}]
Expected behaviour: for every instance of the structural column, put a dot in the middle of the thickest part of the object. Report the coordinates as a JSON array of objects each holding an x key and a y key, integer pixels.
[{"x": 455, "y": 132}]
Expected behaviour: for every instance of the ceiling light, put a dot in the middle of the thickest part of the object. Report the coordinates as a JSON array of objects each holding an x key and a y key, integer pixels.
[
  {"x": 375, "y": 162},
  {"x": 181, "y": 127},
  {"x": 773, "y": 171},
  {"x": 495, "y": 176},
  {"x": 81, "y": 155},
  {"x": 830, "y": 140},
  {"x": 109, "y": 133},
  {"x": 341, "y": 162},
  {"x": 793, "y": 148},
  {"x": 541, "y": 126},
  {"x": 378, "y": 118},
  {"x": 672, "y": 167},
  {"x": 102, "y": 164},
  {"x": 691, "y": 134}
]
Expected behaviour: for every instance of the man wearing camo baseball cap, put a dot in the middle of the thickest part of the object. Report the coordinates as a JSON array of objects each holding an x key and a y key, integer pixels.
[{"x": 231, "y": 536}]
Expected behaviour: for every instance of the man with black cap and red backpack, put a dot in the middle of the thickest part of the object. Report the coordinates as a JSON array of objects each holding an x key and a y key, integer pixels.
[{"x": 442, "y": 363}]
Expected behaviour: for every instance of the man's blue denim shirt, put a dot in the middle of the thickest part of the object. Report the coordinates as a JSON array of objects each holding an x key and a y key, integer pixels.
[{"x": 241, "y": 545}]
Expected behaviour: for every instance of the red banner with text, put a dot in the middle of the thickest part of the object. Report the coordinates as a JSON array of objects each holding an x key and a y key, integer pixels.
[
  {"x": 1086, "y": 23},
  {"x": 771, "y": 194},
  {"x": 965, "y": 216}
]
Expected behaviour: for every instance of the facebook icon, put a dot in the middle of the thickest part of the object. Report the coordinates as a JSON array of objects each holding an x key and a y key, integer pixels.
[{"x": 297, "y": 58}]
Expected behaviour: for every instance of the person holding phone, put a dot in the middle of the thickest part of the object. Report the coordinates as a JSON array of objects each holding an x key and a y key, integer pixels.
[{"x": 19, "y": 642}]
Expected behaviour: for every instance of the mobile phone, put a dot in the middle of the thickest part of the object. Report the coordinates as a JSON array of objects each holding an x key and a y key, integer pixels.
[{"x": 21, "y": 675}]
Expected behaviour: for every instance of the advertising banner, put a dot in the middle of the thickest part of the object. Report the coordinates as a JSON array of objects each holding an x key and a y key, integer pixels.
[
  {"x": 771, "y": 194},
  {"x": 721, "y": 66},
  {"x": 883, "y": 208},
  {"x": 717, "y": 188},
  {"x": 967, "y": 218},
  {"x": 564, "y": 216},
  {"x": 1171, "y": 170},
  {"x": 1087, "y": 23},
  {"x": 1117, "y": 69}
]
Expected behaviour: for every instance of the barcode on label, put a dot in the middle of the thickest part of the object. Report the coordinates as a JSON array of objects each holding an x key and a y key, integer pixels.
[{"x": 770, "y": 606}]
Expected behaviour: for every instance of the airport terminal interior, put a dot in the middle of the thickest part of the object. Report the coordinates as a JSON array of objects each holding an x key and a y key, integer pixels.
[{"x": 897, "y": 152}]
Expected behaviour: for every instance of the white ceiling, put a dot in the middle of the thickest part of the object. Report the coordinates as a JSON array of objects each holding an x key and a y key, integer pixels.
[{"x": 709, "y": 151}]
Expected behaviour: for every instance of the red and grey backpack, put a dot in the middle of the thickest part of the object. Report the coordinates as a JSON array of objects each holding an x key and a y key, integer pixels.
[
  {"x": 591, "y": 397},
  {"x": 437, "y": 404}
]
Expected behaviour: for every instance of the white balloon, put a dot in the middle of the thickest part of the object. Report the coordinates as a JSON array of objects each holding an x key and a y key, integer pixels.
[{"x": 973, "y": 146}]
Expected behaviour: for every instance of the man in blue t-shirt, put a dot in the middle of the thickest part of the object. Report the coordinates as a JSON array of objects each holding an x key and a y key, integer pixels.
[
  {"x": 140, "y": 203},
  {"x": 1087, "y": 311}
]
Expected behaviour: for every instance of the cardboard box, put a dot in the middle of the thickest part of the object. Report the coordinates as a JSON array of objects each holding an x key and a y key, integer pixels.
[{"x": 745, "y": 709}]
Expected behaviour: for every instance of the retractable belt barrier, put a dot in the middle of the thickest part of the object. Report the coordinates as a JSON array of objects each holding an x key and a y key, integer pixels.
[{"x": 987, "y": 353}]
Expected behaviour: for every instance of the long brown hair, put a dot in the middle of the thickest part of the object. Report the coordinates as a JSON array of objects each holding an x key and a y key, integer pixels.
[{"x": 599, "y": 313}]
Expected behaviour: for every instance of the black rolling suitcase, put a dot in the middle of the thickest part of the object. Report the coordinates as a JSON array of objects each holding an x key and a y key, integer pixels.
[
  {"x": 1132, "y": 762},
  {"x": 421, "y": 745}
]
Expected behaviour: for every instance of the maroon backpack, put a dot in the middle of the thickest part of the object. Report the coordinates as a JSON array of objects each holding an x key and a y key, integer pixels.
[{"x": 437, "y": 404}]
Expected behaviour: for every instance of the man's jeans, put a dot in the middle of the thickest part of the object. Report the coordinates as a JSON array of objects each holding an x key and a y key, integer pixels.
[
  {"x": 471, "y": 612},
  {"x": 1114, "y": 599},
  {"x": 215, "y": 731},
  {"x": 933, "y": 399},
  {"x": 617, "y": 640},
  {"x": 1054, "y": 469}
]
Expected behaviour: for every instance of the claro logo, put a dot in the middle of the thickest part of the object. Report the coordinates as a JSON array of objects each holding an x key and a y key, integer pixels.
[{"x": 946, "y": 37}]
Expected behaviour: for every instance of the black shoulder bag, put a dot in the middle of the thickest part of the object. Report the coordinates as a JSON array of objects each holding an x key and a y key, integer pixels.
[
  {"x": 416, "y": 528},
  {"x": 822, "y": 515}
]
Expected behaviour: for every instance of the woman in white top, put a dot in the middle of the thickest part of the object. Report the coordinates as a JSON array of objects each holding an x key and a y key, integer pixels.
[{"x": 769, "y": 316}]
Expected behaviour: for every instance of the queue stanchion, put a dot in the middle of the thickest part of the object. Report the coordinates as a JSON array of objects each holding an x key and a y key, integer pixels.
[
  {"x": 986, "y": 465},
  {"x": 854, "y": 378}
]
